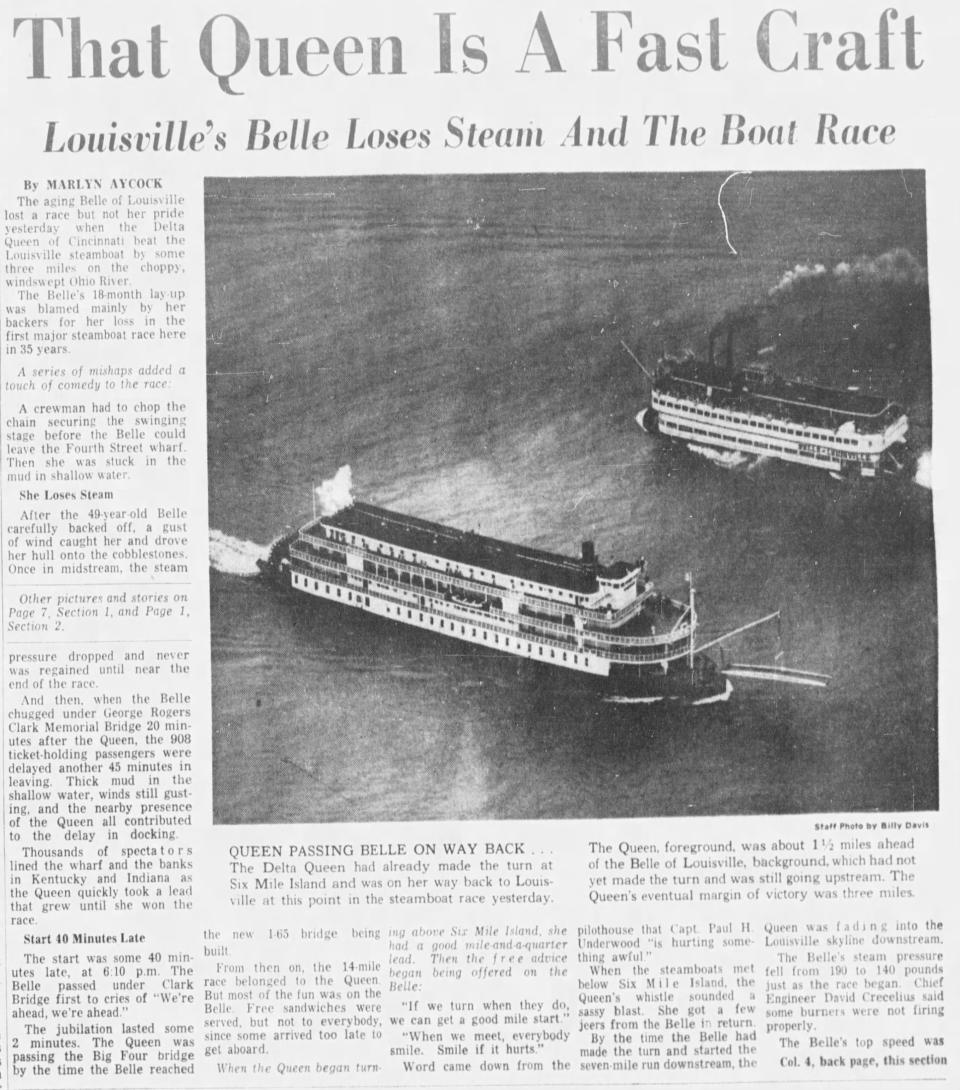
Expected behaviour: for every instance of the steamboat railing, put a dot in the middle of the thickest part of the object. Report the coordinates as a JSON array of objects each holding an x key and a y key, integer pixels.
[
  {"x": 612, "y": 619},
  {"x": 674, "y": 645},
  {"x": 867, "y": 442}
]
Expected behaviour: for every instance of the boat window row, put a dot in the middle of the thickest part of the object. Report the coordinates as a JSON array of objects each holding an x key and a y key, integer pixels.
[
  {"x": 448, "y": 625},
  {"x": 802, "y": 412},
  {"x": 775, "y": 426},
  {"x": 745, "y": 441},
  {"x": 493, "y": 606},
  {"x": 806, "y": 450},
  {"x": 625, "y": 651},
  {"x": 476, "y": 574},
  {"x": 385, "y": 578},
  {"x": 786, "y": 428}
]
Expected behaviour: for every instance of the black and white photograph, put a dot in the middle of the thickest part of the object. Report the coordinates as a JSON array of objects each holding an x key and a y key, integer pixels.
[{"x": 570, "y": 496}]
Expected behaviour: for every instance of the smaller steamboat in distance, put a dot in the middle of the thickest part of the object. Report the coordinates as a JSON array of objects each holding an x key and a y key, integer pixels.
[
  {"x": 715, "y": 407},
  {"x": 604, "y": 622}
]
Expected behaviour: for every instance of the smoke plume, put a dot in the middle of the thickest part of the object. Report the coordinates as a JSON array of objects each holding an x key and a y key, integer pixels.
[
  {"x": 895, "y": 267},
  {"x": 799, "y": 274},
  {"x": 336, "y": 493}
]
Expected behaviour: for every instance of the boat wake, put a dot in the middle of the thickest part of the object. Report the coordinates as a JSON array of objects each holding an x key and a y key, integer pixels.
[
  {"x": 716, "y": 698},
  {"x": 726, "y": 459},
  {"x": 632, "y": 699},
  {"x": 713, "y": 698},
  {"x": 759, "y": 462},
  {"x": 924, "y": 475},
  {"x": 231, "y": 556}
]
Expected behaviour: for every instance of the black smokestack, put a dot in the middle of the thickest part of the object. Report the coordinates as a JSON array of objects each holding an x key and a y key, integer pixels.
[{"x": 588, "y": 553}]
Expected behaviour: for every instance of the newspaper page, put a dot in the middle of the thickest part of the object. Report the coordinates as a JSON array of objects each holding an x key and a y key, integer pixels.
[{"x": 471, "y": 612}]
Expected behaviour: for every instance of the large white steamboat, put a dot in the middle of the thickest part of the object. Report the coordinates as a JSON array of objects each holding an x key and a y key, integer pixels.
[
  {"x": 752, "y": 411},
  {"x": 606, "y": 623}
]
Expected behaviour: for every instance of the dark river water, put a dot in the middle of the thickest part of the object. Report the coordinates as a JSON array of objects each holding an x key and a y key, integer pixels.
[{"x": 457, "y": 342}]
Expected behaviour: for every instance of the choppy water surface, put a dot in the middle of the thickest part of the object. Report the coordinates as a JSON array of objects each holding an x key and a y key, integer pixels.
[{"x": 457, "y": 342}]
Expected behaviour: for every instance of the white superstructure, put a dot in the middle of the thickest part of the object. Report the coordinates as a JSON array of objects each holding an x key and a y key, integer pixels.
[{"x": 752, "y": 412}]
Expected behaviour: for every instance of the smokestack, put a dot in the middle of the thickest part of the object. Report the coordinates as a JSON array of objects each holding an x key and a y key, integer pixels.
[
  {"x": 717, "y": 335},
  {"x": 588, "y": 553}
]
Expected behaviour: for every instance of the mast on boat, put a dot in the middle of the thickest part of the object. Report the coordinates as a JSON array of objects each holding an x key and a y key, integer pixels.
[
  {"x": 693, "y": 614},
  {"x": 650, "y": 375}
]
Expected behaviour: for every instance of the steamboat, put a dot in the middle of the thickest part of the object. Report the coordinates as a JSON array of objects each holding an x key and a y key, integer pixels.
[
  {"x": 730, "y": 412},
  {"x": 605, "y": 623}
]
